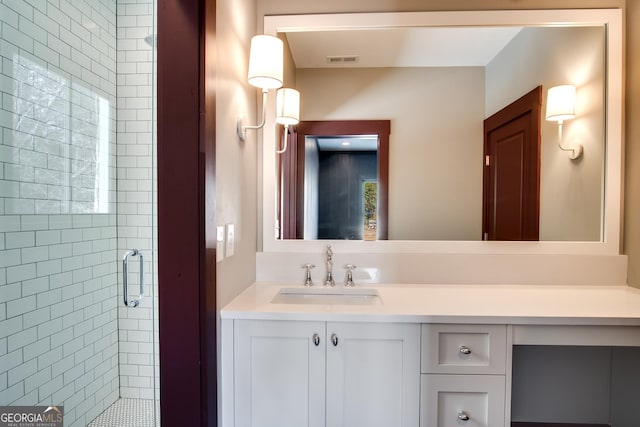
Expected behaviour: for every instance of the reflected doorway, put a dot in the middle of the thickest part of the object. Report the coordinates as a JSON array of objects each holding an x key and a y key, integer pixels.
[
  {"x": 511, "y": 196},
  {"x": 336, "y": 184},
  {"x": 324, "y": 176}
]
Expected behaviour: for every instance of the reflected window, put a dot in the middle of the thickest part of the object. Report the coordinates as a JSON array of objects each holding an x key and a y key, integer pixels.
[{"x": 370, "y": 209}]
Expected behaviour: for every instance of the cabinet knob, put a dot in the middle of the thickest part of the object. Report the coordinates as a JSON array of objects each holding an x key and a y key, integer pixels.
[
  {"x": 465, "y": 350},
  {"x": 316, "y": 339},
  {"x": 462, "y": 416},
  {"x": 334, "y": 340}
]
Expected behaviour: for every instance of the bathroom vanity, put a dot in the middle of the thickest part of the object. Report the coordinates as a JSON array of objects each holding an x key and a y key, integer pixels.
[{"x": 402, "y": 355}]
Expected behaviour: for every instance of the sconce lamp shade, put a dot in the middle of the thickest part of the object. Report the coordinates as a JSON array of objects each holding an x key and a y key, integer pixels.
[
  {"x": 561, "y": 103},
  {"x": 287, "y": 106},
  {"x": 266, "y": 62}
]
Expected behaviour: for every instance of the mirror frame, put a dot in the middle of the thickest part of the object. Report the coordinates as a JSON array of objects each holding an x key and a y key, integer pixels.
[{"x": 611, "y": 19}]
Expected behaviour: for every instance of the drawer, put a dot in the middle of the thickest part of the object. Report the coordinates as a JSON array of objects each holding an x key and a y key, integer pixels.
[
  {"x": 463, "y": 349},
  {"x": 462, "y": 400}
]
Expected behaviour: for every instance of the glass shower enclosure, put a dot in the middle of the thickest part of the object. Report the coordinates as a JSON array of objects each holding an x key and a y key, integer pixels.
[{"x": 77, "y": 194}]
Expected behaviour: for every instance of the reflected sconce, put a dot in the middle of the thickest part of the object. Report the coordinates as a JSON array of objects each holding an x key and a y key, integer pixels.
[
  {"x": 287, "y": 112},
  {"x": 265, "y": 72},
  {"x": 561, "y": 106}
]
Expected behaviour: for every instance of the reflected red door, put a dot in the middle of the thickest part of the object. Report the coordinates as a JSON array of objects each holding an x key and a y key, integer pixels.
[{"x": 511, "y": 199}]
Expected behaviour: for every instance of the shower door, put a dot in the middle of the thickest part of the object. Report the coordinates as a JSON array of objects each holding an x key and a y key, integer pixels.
[{"x": 77, "y": 191}]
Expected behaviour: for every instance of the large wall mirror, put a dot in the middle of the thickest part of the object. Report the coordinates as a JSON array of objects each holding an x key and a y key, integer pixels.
[{"x": 437, "y": 77}]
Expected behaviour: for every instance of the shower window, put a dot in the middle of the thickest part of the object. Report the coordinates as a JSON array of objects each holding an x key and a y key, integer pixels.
[{"x": 57, "y": 144}]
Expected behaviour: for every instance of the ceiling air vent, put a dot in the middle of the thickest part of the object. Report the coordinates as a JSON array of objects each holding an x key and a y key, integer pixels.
[{"x": 345, "y": 59}]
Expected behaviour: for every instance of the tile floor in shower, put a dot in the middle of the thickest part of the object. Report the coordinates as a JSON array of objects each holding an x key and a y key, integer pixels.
[{"x": 127, "y": 413}]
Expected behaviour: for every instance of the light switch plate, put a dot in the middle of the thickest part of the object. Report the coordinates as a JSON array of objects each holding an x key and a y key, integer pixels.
[
  {"x": 230, "y": 243},
  {"x": 219, "y": 243}
]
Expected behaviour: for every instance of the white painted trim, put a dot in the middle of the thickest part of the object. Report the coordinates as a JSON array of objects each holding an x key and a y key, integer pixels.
[
  {"x": 625, "y": 336},
  {"x": 508, "y": 376},
  {"x": 225, "y": 399},
  {"x": 611, "y": 18}
]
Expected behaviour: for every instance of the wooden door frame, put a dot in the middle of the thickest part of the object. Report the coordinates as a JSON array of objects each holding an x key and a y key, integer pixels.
[
  {"x": 529, "y": 103},
  {"x": 186, "y": 60},
  {"x": 382, "y": 128},
  {"x": 287, "y": 184}
]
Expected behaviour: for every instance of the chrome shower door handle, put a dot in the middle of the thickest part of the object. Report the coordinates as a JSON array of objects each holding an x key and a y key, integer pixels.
[{"x": 125, "y": 278}]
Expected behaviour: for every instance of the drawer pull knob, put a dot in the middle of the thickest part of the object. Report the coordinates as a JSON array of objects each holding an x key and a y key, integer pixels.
[
  {"x": 334, "y": 340},
  {"x": 465, "y": 350},
  {"x": 462, "y": 416},
  {"x": 316, "y": 339}
]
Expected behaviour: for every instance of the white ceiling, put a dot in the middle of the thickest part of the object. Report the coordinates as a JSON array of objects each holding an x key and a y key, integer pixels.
[
  {"x": 348, "y": 143},
  {"x": 401, "y": 47}
]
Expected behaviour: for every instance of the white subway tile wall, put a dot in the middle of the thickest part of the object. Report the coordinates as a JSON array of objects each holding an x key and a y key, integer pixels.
[
  {"x": 61, "y": 232},
  {"x": 58, "y": 317},
  {"x": 135, "y": 199}
]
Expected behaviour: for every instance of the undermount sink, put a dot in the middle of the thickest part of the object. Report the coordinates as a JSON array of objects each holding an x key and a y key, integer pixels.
[{"x": 328, "y": 296}]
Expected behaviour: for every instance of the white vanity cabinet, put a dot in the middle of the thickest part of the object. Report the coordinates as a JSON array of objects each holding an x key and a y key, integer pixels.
[
  {"x": 279, "y": 373},
  {"x": 297, "y": 373},
  {"x": 373, "y": 374},
  {"x": 463, "y": 375}
]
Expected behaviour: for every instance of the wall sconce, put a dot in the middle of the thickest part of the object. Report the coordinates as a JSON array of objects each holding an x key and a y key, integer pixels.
[
  {"x": 287, "y": 111},
  {"x": 561, "y": 106},
  {"x": 265, "y": 72}
]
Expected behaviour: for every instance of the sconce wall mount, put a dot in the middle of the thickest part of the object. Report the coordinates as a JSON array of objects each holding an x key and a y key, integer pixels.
[
  {"x": 287, "y": 112},
  {"x": 266, "y": 69},
  {"x": 266, "y": 72}
]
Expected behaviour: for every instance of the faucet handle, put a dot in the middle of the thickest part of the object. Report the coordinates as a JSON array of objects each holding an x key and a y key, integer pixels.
[
  {"x": 349, "y": 283},
  {"x": 307, "y": 277}
]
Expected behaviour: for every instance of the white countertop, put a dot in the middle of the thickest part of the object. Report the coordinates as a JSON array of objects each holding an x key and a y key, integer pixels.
[{"x": 425, "y": 303}]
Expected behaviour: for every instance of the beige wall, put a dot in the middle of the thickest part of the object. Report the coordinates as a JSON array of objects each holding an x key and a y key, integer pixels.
[
  {"x": 236, "y": 161},
  {"x": 435, "y": 184}
]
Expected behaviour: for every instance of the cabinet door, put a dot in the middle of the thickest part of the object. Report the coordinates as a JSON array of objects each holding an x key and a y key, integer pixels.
[
  {"x": 279, "y": 373},
  {"x": 373, "y": 375}
]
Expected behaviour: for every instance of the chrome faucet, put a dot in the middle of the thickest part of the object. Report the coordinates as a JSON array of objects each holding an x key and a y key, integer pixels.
[
  {"x": 307, "y": 276},
  {"x": 329, "y": 281},
  {"x": 348, "y": 282}
]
